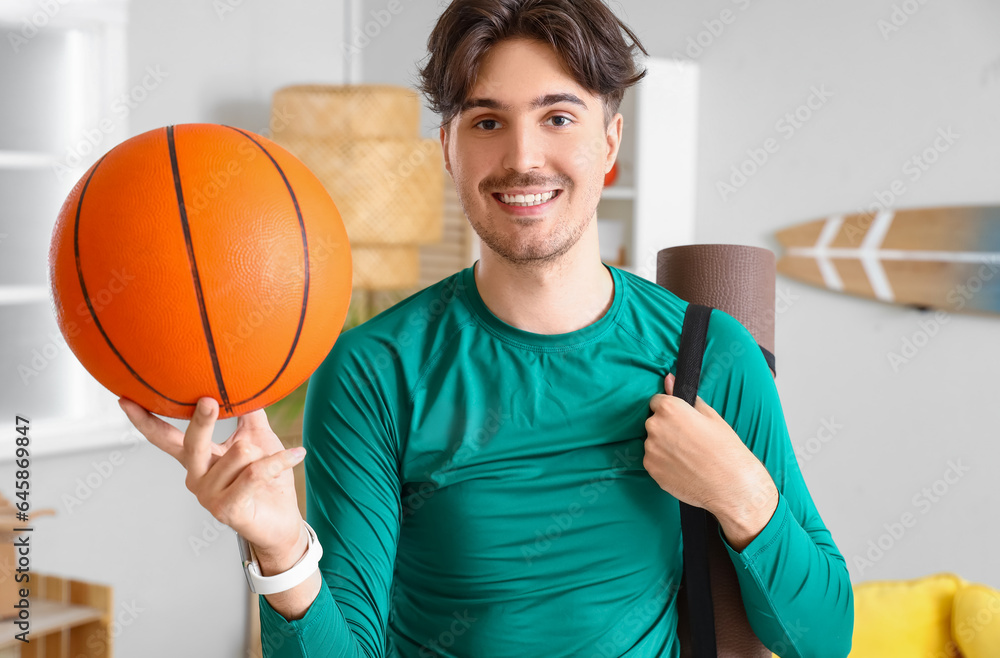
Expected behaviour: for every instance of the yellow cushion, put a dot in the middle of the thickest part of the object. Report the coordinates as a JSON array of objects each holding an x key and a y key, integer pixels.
[
  {"x": 904, "y": 617},
  {"x": 976, "y": 621}
]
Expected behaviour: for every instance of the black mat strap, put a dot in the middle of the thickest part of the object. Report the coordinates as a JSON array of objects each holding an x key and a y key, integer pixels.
[
  {"x": 694, "y": 520},
  {"x": 769, "y": 357}
]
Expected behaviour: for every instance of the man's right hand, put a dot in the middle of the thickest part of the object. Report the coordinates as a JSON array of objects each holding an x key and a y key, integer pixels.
[{"x": 245, "y": 482}]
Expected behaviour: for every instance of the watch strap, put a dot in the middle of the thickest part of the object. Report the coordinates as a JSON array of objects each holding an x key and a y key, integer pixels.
[{"x": 286, "y": 580}]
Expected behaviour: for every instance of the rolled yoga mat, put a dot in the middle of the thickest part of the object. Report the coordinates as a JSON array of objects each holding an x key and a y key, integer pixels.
[
  {"x": 733, "y": 278},
  {"x": 739, "y": 280}
]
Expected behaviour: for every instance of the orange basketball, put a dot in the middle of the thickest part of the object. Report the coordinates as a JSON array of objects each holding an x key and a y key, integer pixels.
[{"x": 200, "y": 260}]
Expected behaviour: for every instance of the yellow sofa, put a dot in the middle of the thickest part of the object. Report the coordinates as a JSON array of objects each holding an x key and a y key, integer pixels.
[{"x": 939, "y": 616}]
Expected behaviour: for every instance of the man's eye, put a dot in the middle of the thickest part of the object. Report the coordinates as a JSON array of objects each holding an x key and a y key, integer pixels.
[{"x": 565, "y": 121}]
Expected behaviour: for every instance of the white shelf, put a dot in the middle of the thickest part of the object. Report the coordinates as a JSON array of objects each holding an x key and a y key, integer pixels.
[
  {"x": 48, "y": 617},
  {"x": 52, "y": 437},
  {"x": 25, "y": 160},
  {"x": 10, "y": 295}
]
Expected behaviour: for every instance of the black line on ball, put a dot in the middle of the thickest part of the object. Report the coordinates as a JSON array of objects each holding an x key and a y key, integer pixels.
[
  {"x": 86, "y": 295},
  {"x": 194, "y": 272},
  {"x": 305, "y": 258}
]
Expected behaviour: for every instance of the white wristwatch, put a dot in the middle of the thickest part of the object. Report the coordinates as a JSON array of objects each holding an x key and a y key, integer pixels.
[{"x": 285, "y": 580}]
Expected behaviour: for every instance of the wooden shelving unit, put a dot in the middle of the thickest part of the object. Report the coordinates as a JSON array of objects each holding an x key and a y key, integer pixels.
[{"x": 69, "y": 619}]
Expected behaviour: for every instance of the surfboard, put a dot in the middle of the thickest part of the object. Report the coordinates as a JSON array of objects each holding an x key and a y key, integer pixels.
[{"x": 944, "y": 258}]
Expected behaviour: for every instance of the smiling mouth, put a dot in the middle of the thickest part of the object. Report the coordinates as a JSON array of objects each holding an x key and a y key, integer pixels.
[{"x": 529, "y": 201}]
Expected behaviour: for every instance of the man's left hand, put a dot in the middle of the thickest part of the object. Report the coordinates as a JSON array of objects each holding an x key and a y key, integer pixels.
[{"x": 694, "y": 455}]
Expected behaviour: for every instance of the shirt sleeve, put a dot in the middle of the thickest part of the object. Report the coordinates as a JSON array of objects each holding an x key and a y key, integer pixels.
[
  {"x": 793, "y": 579},
  {"x": 353, "y": 504}
]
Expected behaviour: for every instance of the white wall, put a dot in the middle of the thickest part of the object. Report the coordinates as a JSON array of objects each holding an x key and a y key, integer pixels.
[
  {"x": 124, "y": 516},
  {"x": 899, "y": 428}
]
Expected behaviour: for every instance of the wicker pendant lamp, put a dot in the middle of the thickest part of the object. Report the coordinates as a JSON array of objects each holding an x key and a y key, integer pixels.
[{"x": 364, "y": 144}]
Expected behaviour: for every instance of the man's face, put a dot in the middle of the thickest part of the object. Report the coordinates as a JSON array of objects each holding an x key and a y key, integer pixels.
[{"x": 501, "y": 144}]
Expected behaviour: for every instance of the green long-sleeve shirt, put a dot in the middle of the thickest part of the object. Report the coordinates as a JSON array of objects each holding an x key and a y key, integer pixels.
[{"x": 479, "y": 490}]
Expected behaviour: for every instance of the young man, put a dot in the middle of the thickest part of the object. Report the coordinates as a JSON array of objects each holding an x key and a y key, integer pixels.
[{"x": 494, "y": 464}]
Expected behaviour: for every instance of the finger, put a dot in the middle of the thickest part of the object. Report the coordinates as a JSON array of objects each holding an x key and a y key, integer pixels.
[
  {"x": 198, "y": 438},
  {"x": 160, "y": 433},
  {"x": 699, "y": 404},
  {"x": 263, "y": 471},
  {"x": 227, "y": 468}
]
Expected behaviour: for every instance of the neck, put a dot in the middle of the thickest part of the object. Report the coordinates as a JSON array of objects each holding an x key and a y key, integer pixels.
[{"x": 547, "y": 298}]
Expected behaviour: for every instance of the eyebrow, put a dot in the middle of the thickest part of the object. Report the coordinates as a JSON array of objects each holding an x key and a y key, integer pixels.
[{"x": 541, "y": 101}]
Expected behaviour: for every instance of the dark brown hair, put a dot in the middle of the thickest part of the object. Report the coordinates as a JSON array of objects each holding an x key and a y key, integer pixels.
[{"x": 585, "y": 33}]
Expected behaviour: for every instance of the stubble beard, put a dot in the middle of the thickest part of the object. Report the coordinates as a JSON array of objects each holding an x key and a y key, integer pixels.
[{"x": 529, "y": 250}]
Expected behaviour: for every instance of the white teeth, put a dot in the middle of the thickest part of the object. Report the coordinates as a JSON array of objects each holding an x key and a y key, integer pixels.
[{"x": 527, "y": 200}]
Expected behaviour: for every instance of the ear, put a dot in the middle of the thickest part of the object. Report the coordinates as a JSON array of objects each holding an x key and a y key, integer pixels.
[
  {"x": 614, "y": 138},
  {"x": 444, "y": 148}
]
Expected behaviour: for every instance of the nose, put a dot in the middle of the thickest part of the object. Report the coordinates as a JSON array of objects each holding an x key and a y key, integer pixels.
[{"x": 524, "y": 147}]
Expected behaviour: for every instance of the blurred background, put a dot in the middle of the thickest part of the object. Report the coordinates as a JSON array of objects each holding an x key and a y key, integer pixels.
[{"x": 892, "y": 410}]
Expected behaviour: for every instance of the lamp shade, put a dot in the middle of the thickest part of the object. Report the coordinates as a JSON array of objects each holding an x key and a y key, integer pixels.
[
  {"x": 363, "y": 143},
  {"x": 388, "y": 191},
  {"x": 385, "y": 267},
  {"x": 358, "y": 111}
]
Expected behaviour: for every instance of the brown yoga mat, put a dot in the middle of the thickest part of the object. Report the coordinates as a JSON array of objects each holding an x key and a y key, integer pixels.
[
  {"x": 739, "y": 280},
  {"x": 734, "y": 278}
]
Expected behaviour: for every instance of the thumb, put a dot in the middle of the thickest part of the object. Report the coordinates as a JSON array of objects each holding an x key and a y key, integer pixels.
[{"x": 668, "y": 384}]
